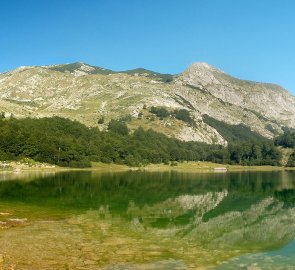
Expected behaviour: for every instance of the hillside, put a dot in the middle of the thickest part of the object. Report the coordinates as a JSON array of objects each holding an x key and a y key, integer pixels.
[{"x": 86, "y": 93}]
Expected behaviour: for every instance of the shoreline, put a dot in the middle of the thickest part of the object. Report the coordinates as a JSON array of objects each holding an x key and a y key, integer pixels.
[{"x": 186, "y": 167}]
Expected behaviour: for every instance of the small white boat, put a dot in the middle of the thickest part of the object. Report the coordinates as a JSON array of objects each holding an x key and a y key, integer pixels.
[{"x": 220, "y": 169}]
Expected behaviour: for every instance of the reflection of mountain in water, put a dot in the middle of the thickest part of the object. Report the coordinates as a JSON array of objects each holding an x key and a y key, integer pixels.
[
  {"x": 265, "y": 224},
  {"x": 233, "y": 212},
  {"x": 182, "y": 209}
]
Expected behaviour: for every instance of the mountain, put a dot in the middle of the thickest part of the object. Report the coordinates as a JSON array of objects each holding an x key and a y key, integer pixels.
[
  {"x": 203, "y": 103},
  {"x": 80, "y": 69}
]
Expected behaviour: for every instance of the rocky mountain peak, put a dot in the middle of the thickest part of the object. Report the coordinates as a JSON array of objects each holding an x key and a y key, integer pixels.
[
  {"x": 200, "y": 74},
  {"x": 201, "y": 68}
]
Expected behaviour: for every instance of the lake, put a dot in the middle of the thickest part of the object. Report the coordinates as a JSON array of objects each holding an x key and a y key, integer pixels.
[{"x": 141, "y": 220}]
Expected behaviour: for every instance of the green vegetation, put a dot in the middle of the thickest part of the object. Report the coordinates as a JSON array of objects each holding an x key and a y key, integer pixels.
[
  {"x": 160, "y": 112},
  {"x": 181, "y": 114},
  {"x": 286, "y": 140},
  {"x": 151, "y": 74},
  {"x": 118, "y": 127},
  {"x": 245, "y": 146},
  {"x": 53, "y": 140},
  {"x": 100, "y": 120},
  {"x": 291, "y": 161},
  {"x": 254, "y": 153},
  {"x": 184, "y": 116},
  {"x": 68, "y": 143},
  {"x": 233, "y": 133},
  {"x": 69, "y": 68}
]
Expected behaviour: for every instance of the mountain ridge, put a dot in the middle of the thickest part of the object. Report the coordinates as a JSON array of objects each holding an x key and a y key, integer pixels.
[
  {"x": 142, "y": 70},
  {"x": 86, "y": 93}
]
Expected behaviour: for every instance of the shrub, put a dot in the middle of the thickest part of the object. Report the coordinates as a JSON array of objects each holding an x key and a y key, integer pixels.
[
  {"x": 184, "y": 116},
  {"x": 160, "y": 112}
]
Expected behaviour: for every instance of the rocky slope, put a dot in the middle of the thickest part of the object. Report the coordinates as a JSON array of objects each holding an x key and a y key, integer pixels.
[{"x": 87, "y": 93}]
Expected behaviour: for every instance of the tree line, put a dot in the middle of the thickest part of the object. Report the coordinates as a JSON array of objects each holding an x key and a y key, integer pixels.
[{"x": 69, "y": 143}]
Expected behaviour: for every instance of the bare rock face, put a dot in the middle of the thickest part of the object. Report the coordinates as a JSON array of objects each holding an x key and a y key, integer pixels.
[
  {"x": 268, "y": 99},
  {"x": 86, "y": 93},
  {"x": 200, "y": 75}
]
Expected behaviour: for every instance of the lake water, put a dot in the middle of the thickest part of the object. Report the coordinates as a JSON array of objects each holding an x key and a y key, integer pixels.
[{"x": 140, "y": 220}]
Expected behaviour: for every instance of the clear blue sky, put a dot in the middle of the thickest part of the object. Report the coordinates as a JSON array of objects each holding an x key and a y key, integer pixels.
[{"x": 250, "y": 39}]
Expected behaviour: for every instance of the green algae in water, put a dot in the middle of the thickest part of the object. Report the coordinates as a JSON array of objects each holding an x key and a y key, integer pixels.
[{"x": 140, "y": 220}]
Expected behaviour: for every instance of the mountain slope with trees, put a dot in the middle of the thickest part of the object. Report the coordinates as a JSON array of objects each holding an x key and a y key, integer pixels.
[{"x": 69, "y": 143}]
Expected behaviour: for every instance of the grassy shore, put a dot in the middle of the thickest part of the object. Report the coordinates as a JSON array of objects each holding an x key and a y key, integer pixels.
[
  {"x": 203, "y": 166},
  {"x": 191, "y": 166}
]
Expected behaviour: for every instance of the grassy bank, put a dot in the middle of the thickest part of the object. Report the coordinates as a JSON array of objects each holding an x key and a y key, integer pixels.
[
  {"x": 203, "y": 166},
  {"x": 192, "y": 166}
]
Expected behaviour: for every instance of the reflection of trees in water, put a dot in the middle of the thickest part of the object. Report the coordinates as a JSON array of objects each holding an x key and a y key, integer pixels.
[
  {"x": 234, "y": 211},
  {"x": 84, "y": 189}
]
